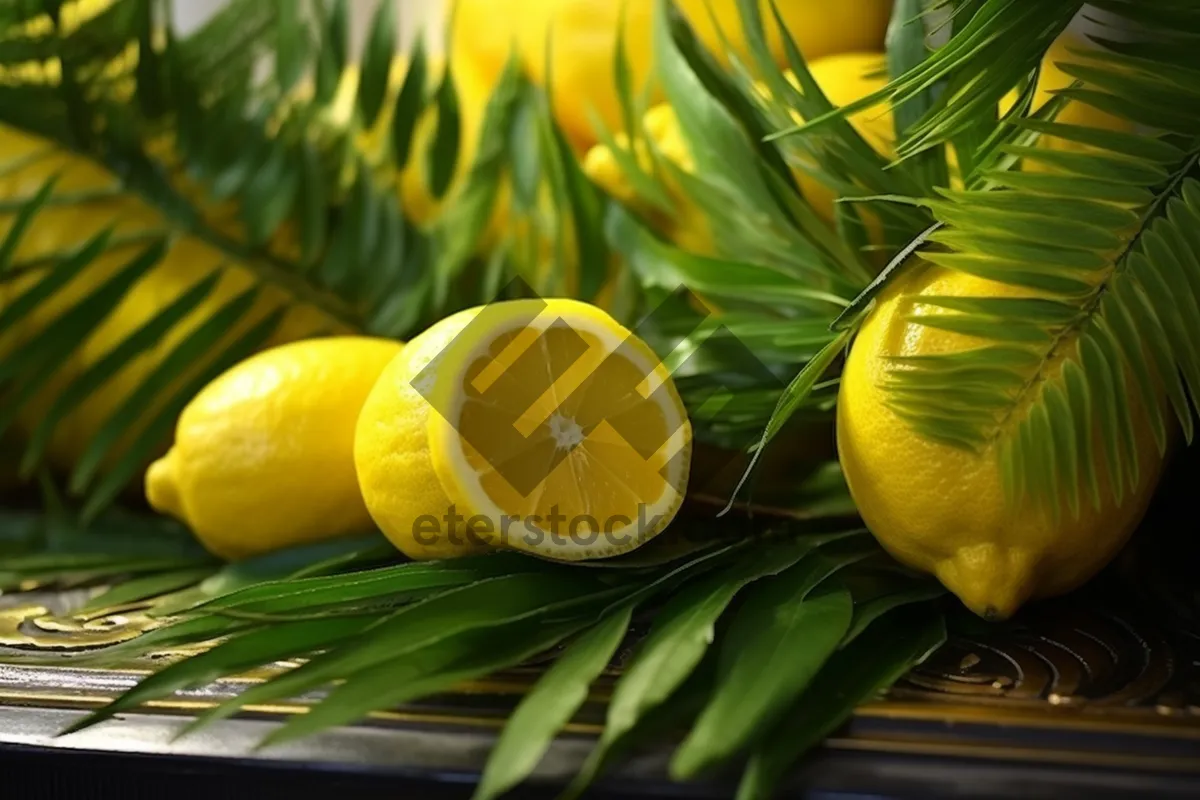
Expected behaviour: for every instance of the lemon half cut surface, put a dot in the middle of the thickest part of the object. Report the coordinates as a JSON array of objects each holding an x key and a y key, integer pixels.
[{"x": 556, "y": 431}]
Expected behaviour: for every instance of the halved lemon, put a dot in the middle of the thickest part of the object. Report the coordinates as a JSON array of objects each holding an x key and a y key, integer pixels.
[{"x": 557, "y": 431}]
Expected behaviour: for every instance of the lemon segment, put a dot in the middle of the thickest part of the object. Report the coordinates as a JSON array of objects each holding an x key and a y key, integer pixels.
[{"x": 558, "y": 432}]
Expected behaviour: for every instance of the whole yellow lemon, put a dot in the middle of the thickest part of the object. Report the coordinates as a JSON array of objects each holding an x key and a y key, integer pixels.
[
  {"x": 943, "y": 509},
  {"x": 263, "y": 456}
]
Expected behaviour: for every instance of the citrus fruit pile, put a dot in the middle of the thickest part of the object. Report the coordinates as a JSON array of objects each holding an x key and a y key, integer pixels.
[
  {"x": 545, "y": 426},
  {"x": 541, "y": 426}
]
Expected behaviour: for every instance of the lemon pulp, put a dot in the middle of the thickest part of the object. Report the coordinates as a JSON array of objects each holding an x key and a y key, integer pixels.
[{"x": 558, "y": 432}]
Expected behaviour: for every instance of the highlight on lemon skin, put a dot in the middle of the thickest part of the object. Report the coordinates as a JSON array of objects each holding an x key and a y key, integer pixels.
[
  {"x": 263, "y": 455},
  {"x": 541, "y": 426}
]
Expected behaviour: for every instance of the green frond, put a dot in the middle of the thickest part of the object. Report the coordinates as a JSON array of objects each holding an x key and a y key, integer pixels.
[
  {"x": 292, "y": 194},
  {"x": 996, "y": 45},
  {"x": 1105, "y": 237},
  {"x": 440, "y": 623},
  {"x": 50, "y": 548},
  {"x": 839, "y": 158},
  {"x": 742, "y": 186},
  {"x": 863, "y": 668},
  {"x": 262, "y": 204}
]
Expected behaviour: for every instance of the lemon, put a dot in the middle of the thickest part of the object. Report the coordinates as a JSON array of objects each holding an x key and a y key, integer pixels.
[
  {"x": 844, "y": 78},
  {"x": 1069, "y": 48},
  {"x": 539, "y": 426},
  {"x": 391, "y": 453},
  {"x": 188, "y": 261},
  {"x": 943, "y": 509},
  {"x": 819, "y": 28},
  {"x": 263, "y": 455},
  {"x": 472, "y": 91},
  {"x": 685, "y": 224},
  {"x": 583, "y": 34}
]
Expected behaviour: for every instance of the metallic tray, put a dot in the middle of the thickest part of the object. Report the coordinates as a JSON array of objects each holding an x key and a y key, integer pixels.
[
  {"x": 1097, "y": 694},
  {"x": 1076, "y": 696}
]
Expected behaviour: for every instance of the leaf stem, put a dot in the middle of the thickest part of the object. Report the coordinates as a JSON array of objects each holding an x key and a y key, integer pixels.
[
  {"x": 20, "y": 268},
  {"x": 1024, "y": 397}
]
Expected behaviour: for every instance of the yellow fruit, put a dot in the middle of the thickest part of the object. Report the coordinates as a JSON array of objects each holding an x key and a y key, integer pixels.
[
  {"x": 943, "y": 509},
  {"x": 819, "y": 28},
  {"x": 686, "y": 225},
  {"x": 1069, "y": 48},
  {"x": 844, "y": 78},
  {"x": 62, "y": 229},
  {"x": 417, "y": 198},
  {"x": 391, "y": 452},
  {"x": 473, "y": 92},
  {"x": 263, "y": 456},
  {"x": 484, "y": 32},
  {"x": 557, "y": 419},
  {"x": 584, "y": 37},
  {"x": 499, "y": 436}
]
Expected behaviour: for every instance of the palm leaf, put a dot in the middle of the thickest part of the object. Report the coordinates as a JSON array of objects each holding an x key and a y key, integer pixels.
[
  {"x": 291, "y": 564},
  {"x": 778, "y": 625},
  {"x": 740, "y": 196},
  {"x": 1116, "y": 328},
  {"x": 552, "y": 702},
  {"x": 285, "y": 191},
  {"x": 444, "y": 622},
  {"x": 858, "y": 673},
  {"x": 992, "y": 50},
  {"x": 786, "y": 262},
  {"x": 54, "y": 548}
]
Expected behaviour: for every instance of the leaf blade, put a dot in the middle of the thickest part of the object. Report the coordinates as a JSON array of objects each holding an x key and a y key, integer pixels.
[{"x": 554, "y": 699}]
